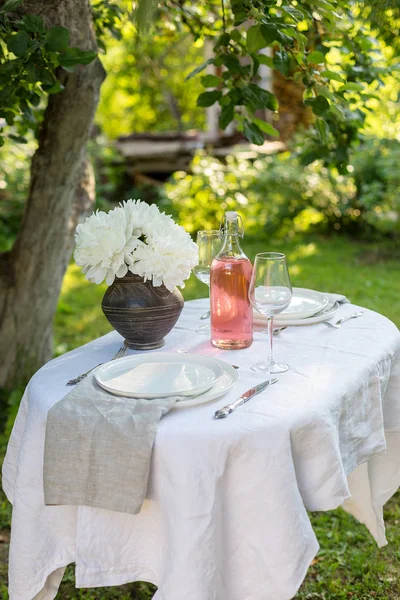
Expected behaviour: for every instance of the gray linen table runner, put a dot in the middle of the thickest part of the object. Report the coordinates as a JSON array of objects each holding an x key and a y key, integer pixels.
[{"x": 98, "y": 448}]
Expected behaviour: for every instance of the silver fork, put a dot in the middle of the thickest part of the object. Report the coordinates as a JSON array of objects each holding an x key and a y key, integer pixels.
[
  {"x": 340, "y": 322},
  {"x": 121, "y": 352}
]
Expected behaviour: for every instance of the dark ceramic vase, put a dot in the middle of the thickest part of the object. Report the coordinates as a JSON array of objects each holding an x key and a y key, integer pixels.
[{"x": 141, "y": 313}]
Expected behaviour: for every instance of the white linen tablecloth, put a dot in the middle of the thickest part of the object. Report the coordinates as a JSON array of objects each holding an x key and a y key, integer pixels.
[{"x": 226, "y": 511}]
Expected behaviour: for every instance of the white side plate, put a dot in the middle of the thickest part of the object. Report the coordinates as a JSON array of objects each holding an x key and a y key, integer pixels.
[
  {"x": 159, "y": 375},
  {"x": 304, "y": 303},
  {"x": 224, "y": 383},
  {"x": 325, "y": 314}
]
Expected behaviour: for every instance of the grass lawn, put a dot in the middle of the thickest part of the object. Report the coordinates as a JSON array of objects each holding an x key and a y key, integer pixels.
[{"x": 349, "y": 565}]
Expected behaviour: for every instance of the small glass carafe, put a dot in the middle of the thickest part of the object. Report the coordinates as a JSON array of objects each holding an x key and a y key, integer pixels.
[{"x": 230, "y": 275}]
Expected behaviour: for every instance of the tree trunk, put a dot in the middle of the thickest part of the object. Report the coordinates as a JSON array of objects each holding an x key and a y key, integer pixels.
[
  {"x": 293, "y": 114},
  {"x": 31, "y": 273}
]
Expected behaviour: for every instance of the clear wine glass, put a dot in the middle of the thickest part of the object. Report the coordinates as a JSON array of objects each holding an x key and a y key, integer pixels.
[
  {"x": 209, "y": 243},
  {"x": 270, "y": 293}
]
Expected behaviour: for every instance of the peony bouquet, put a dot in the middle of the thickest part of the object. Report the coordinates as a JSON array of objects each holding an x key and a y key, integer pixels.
[{"x": 135, "y": 236}]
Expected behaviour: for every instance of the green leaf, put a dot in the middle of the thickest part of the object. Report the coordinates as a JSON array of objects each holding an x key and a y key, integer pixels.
[
  {"x": 319, "y": 105},
  {"x": 57, "y": 39},
  {"x": 33, "y": 24},
  {"x": 35, "y": 100},
  {"x": 18, "y": 138},
  {"x": 351, "y": 87},
  {"x": 11, "y": 5},
  {"x": 210, "y": 81},
  {"x": 240, "y": 18},
  {"x": 266, "y": 60},
  {"x": 323, "y": 130},
  {"x": 208, "y": 98},
  {"x": 223, "y": 40},
  {"x": 17, "y": 44},
  {"x": 236, "y": 96},
  {"x": 296, "y": 14},
  {"x": 6, "y": 92},
  {"x": 238, "y": 8},
  {"x": 253, "y": 133},
  {"x": 54, "y": 89},
  {"x": 256, "y": 98},
  {"x": 255, "y": 39},
  {"x": 338, "y": 112},
  {"x": 332, "y": 75},
  {"x": 7, "y": 68},
  {"x": 306, "y": 158},
  {"x": 256, "y": 64},
  {"x": 45, "y": 77},
  {"x": 199, "y": 69},
  {"x": 236, "y": 36},
  {"x": 266, "y": 127},
  {"x": 270, "y": 34},
  {"x": 225, "y": 100},
  {"x": 232, "y": 63},
  {"x": 1, "y": 141},
  {"x": 9, "y": 117},
  {"x": 282, "y": 62},
  {"x": 31, "y": 73},
  {"x": 74, "y": 56},
  {"x": 323, "y": 90},
  {"x": 227, "y": 114},
  {"x": 287, "y": 40},
  {"x": 316, "y": 57}
]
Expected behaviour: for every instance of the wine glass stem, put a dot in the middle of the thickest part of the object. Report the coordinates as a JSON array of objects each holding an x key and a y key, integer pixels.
[{"x": 270, "y": 333}]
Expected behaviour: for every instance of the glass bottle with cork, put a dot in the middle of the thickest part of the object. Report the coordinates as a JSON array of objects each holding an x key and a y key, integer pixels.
[{"x": 230, "y": 275}]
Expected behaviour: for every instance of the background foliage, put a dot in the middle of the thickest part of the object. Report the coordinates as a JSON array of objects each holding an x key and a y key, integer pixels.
[
  {"x": 331, "y": 49},
  {"x": 278, "y": 194},
  {"x": 14, "y": 181},
  {"x": 145, "y": 89},
  {"x": 30, "y": 55}
]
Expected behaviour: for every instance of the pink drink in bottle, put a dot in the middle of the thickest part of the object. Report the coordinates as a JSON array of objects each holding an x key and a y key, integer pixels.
[{"x": 231, "y": 312}]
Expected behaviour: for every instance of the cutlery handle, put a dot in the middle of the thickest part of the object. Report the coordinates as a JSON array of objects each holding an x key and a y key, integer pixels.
[
  {"x": 81, "y": 377},
  {"x": 353, "y": 316},
  {"x": 226, "y": 410},
  {"x": 231, "y": 407}
]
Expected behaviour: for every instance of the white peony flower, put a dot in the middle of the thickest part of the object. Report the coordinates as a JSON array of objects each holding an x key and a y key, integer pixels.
[
  {"x": 103, "y": 247},
  {"x": 138, "y": 237}
]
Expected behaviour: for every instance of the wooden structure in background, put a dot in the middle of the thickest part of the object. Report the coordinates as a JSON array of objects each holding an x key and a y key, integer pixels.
[
  {"x": 158, "y": 155},
  {"x": 155, "y": 156}
]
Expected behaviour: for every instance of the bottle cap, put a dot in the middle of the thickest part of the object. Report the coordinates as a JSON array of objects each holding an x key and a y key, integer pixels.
[{"x": 231, "y": 215}]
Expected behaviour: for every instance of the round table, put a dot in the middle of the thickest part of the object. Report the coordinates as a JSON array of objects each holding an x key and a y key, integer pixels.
[{"x": 225, "y": 516}]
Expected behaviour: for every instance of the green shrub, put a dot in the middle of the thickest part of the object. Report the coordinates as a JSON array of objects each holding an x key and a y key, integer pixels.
[
  {"x": 274, "y": 193},
  {"x": 14, "y": 181},
  {"x": 109, "y": 170},
  {"x": 377, "y": 178},
  {"x": 280, "y": 195}
]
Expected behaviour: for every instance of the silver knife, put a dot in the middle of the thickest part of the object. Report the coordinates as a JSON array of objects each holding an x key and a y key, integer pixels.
[{"x": 224, "y": 412}]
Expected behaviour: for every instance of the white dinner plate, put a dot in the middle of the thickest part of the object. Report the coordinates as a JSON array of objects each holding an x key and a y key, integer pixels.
[
  {"x": 224, "y": 383},
  {"x": 304, "y": 303},
  {"x": 325, "y": 314},
  {"x": 159, "y": 375}
]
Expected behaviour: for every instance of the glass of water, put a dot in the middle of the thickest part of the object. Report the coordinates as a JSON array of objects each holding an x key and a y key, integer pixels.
[
  {"x": 270, "y": 293},
  {"x": 209, "y": 243}
]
